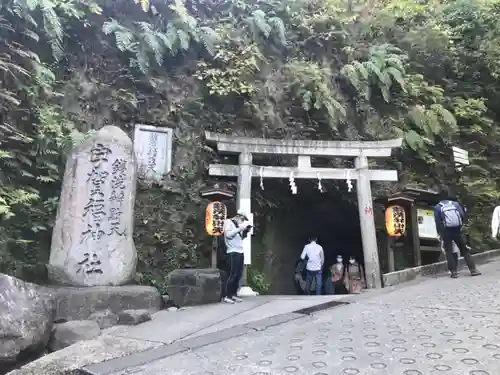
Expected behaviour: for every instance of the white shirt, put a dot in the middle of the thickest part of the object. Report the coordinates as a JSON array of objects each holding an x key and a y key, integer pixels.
[
  {"x": 495, "y": 222},
  {"x": 315, "y": 257},
  {"x": 232, "y": 237}
]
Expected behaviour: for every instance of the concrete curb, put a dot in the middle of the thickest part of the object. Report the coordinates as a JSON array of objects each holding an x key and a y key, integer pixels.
[
  {"x": 398, "y": 277},
  {"x": 136, "y": 360}
]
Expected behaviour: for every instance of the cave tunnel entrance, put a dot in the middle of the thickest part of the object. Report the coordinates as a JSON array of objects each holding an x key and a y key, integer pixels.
[
  {"x": 332, "y": 216},
  {"x": 275, "y": 151}
]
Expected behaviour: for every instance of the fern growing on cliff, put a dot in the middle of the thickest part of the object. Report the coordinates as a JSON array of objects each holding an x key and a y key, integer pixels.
[
  {"x": 429, "y": 122},
  {"x": 383, "y": 68},
  {"x": 312, "y": 84},
  {"x": 263, "y": 27},
  {"x": 124, "y": 36},
  {"x": 146, "y": 41},
  {"x": 50, "y": 20}
]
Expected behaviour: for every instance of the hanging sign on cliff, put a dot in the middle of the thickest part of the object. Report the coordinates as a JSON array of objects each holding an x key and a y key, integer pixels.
[{"x": 153, "y": 150}]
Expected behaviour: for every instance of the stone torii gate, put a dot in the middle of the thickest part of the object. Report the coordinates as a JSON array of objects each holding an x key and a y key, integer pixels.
[{"x": 304, "y": 149}]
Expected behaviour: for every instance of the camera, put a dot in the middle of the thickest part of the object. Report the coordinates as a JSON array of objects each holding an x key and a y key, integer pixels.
[{"x": 244, "y": 233}]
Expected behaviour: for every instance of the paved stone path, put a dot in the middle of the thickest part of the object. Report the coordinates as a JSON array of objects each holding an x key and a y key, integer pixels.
[
  {"x": 440, "y": 326},
  {"x": 168, "y": 327}
]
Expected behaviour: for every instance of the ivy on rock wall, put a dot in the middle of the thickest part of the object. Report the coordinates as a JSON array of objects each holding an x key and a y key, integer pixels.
[
  {"x": 329, "y": 69},
  {"x": 170, "y": 218}
]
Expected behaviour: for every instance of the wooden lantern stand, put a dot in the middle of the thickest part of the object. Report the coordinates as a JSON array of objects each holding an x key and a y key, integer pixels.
[
  {"x": 216, "y": 193},
  {"x": 420, "y": 237}
]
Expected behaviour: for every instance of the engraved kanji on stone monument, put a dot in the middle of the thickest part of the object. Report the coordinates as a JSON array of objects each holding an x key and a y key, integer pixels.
[
  {"x": 153, "y": 149},
  {"x": 119, "y": 169},
  {"x": 92, "y": 240},
  {"x": 97, "y": 177}
]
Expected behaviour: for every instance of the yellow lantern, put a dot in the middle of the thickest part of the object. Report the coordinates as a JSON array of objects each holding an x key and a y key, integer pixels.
[
  {"x": 215, "y": 215},
  {"x": 395, "y": 221}
]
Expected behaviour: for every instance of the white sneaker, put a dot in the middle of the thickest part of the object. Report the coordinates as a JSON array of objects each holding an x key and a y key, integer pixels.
[
  {"x": 227, "y": 300},
  {"x": 237, "y": 299}
]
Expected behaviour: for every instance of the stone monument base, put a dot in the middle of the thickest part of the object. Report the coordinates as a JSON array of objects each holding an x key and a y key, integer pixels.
[
  {"x": 194, "y": 286},
  {"x": 79, "y": 303}
]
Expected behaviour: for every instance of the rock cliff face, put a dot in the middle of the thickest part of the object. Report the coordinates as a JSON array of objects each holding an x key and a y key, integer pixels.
[{"x": 26, "y": 318}]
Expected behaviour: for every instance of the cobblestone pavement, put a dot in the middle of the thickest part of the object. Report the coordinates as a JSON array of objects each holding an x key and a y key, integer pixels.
[{"x": 441, "y": 326}]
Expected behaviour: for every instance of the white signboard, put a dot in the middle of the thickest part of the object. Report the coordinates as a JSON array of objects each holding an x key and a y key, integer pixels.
[
  {"x": 460, "y": 157},
  {"x": 153, "y": 150},
  {"x": 426, "y": 224}
]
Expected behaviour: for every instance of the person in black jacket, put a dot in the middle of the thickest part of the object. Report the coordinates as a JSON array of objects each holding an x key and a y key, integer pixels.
[{"x": 450, "y": 217}]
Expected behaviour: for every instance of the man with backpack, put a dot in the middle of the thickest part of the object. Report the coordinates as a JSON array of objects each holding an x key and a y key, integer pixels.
[{"x": 449, "y": 216}]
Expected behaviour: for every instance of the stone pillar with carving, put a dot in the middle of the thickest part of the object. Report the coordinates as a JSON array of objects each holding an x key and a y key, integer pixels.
[{"x": 92, "y": 241}]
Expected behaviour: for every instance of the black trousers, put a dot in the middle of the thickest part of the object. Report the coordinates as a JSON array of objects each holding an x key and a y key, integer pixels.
[
  {"x": 234, "y": 273},
  {"x": 451, "y": 235}
]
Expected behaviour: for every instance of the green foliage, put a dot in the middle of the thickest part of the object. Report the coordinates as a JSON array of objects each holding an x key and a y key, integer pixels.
[
  {"x": 264, "y": 27},
  {"x": 170, "y": 244},
  {"x": 230, "y": 72},
  {"x": 29, "y": 185},
  {"x": 167, "y": 220},
  {"x": 383, "y": 68},
  {"x": 257, "y": 280},
  {"x": 312, "y": 84},
  {"x": 424, "y": 71},
  {"x": 146, "y": 42}
]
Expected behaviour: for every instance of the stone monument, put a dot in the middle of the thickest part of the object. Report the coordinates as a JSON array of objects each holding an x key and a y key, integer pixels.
[{"x": 92, "y": 243}]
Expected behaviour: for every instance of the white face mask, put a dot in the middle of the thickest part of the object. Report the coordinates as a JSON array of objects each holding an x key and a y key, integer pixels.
[{"x": 351, "y": 261}]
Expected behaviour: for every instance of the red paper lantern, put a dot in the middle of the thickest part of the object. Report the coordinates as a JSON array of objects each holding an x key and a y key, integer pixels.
[
  {"x": 215, "y": 216},
  {"x": 395, "y": 221}
]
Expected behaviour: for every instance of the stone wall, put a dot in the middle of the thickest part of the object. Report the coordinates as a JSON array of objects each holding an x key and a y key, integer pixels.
[{"x": 398, "y": 277}]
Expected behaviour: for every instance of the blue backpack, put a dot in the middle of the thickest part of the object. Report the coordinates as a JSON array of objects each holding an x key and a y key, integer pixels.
[{"x": 450, "y": 215}]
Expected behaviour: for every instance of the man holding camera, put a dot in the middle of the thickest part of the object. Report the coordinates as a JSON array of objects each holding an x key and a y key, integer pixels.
[{"x": 235, "y": 231}]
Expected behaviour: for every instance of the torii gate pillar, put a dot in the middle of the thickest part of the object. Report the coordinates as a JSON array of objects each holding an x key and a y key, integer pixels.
[
  {"x": 243, "y": 203},
  {"x": 244, "y": 193},
  {"x": 367, "y": 225}
]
